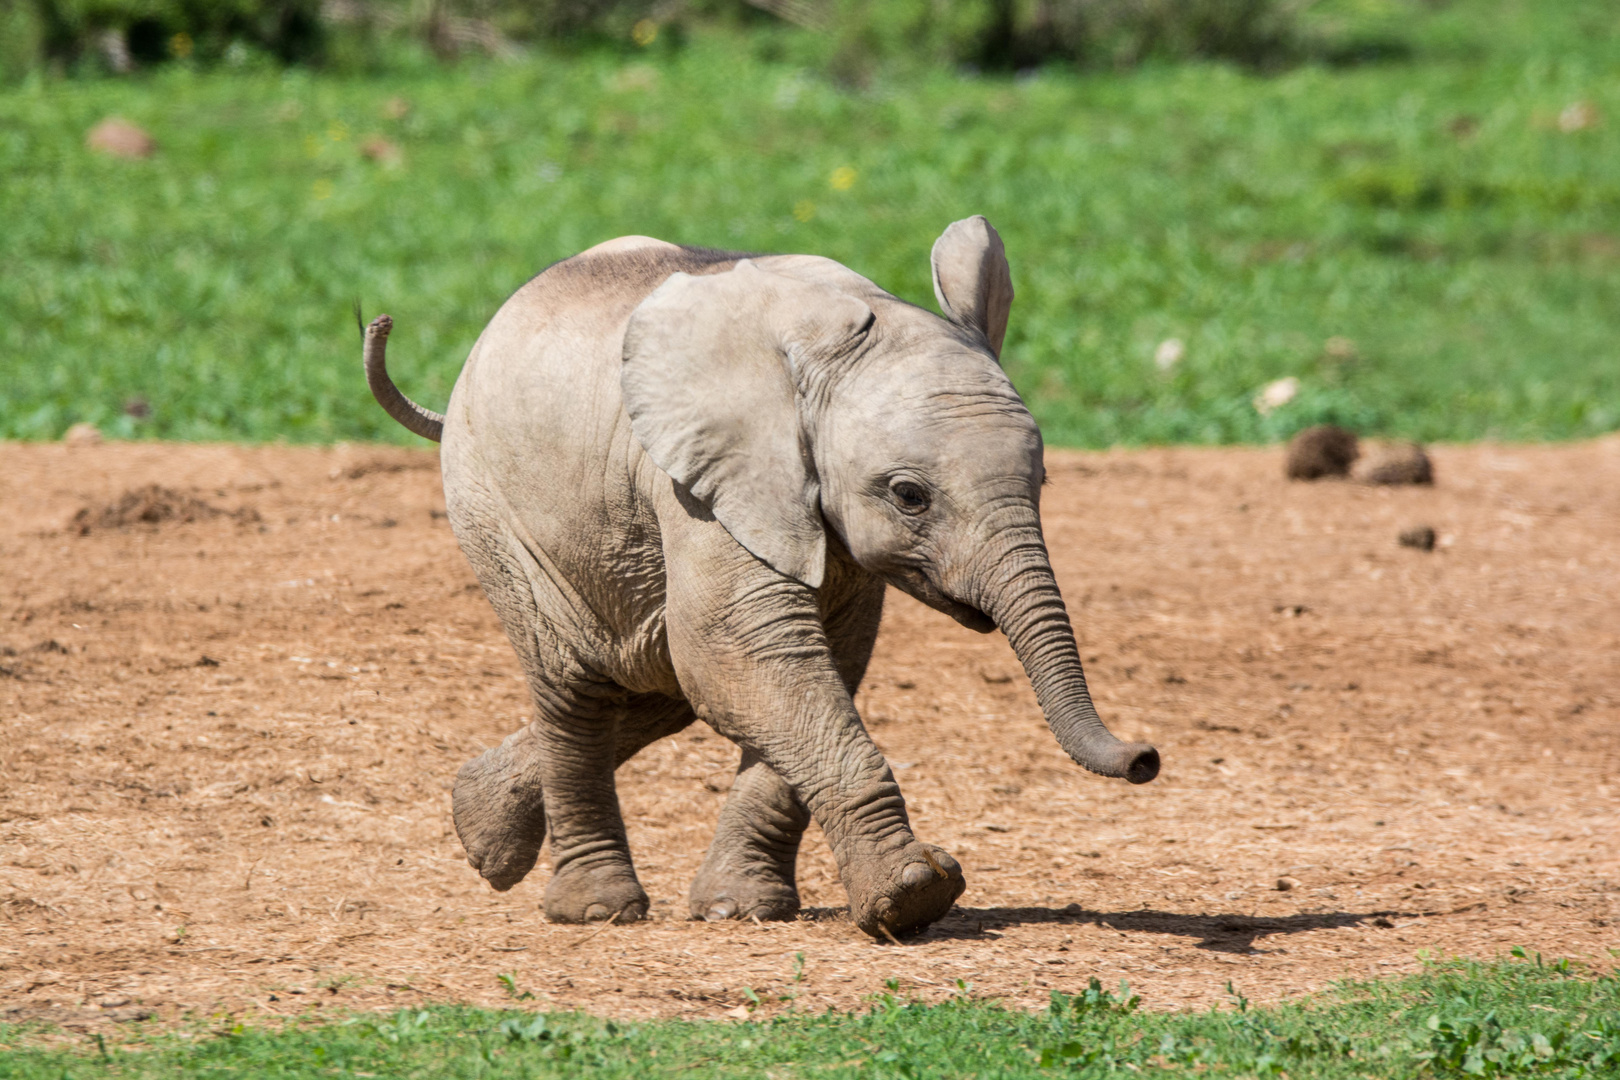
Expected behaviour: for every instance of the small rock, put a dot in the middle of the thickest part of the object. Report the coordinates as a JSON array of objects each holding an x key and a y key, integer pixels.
[
  {"x": 381, "y": 151},
  {"x": 1323, "y": 450},
  {"x": 1395, "y": 463},
  {"x": 82, "y": 435},
  {"x": 1274, "y": 395},
  {"x": 120, "y": 138},
  {"x": 1287, "y": 884},
  {"x": 1340, "y": 350},
  {"x": 1420, "y": 537},
  {"x": 1169, "y": 353},
  {"x": 1578, "y": 116}
]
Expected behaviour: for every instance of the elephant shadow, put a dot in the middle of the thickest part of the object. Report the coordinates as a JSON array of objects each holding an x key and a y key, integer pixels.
[{"x": 1217, "y": 933}]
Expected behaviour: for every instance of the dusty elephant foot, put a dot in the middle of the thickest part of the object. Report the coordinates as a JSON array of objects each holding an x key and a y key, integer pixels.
[
  {"x": 595, "y": 892},
  {"x": 904, "y": 894},
  {"x": 743, "y": 891},
  {"x": 500, "y": 814}
]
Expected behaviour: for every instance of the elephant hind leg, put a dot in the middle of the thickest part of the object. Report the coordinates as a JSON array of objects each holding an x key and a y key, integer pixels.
[
  {"x": 499, "y": 810},
  {"x": 749, "y": 871},
  {"x": 499, "y": 803}
]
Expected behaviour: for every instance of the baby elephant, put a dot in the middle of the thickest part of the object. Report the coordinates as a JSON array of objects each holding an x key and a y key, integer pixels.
[{"x": 684, "y": 478}]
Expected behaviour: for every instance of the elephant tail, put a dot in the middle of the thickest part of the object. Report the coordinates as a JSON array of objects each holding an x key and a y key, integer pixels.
[{"x": 424, "y": 422}]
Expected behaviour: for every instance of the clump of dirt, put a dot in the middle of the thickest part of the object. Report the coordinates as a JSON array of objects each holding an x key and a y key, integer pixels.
[
  {"x": 1420, "y": 537},
  {"x": 1323, "y": 450},
  {"x": 153, "y": 504},
  {"x": 1396, "y": 463}
]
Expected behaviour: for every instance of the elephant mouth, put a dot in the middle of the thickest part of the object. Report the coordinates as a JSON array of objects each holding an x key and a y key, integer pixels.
[
  {"x": 970, "y": 617},
  {"x": 916, "y": 585}
]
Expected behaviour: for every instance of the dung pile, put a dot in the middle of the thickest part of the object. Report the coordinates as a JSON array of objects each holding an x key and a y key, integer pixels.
[
  {"x": 1395, "y": 463},
  {"x": 1323, "y": 450},
  {"x": 153, "y": 504},
  {"x": 1328, "y": 450},
  {"x": 1419, "y": 536}
]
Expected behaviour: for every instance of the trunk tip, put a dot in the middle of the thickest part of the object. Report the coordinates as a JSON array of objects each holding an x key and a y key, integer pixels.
[{"x": 1139, "y": 762}]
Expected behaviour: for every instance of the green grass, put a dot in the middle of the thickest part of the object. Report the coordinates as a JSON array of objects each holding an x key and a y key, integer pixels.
[
  {"x": 1453, "y": 1019},
  {"x": 1431, "y": 211}
]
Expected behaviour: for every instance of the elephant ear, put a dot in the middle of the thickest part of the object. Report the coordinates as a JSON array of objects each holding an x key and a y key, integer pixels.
[
  {"x": 972, "y": 281},
  {"x": 714, "y": 366}
]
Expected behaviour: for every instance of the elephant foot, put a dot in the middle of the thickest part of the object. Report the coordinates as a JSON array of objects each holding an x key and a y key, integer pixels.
[
  {"x": 732, "y": 889},
  {"x": 500, "y": 812},
  {"x": 904, "y": 894},
  {"x": 594, "y": 892}
]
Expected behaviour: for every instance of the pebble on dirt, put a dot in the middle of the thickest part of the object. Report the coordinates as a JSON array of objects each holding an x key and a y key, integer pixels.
[
  {"x": 1420, "y": 537},
  {"x": 1287, "y": 884},
  {"x": 120, "y": 138},
  {"x": 1323, "y": 450},
  {"x": 1395, "y": 463}
]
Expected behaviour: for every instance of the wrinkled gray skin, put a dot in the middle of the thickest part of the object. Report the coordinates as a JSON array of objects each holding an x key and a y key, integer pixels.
[{"x": 684, "y": 478}]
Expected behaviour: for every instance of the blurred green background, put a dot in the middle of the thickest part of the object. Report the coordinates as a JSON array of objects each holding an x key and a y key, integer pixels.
[{"x": 1412, "y": 207}]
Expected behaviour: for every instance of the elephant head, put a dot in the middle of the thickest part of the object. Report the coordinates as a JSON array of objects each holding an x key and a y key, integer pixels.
[{"x": 792, "y": 398}]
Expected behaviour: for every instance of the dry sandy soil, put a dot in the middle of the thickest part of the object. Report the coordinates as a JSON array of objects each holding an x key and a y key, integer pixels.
[{"x": 227, "y": 745}]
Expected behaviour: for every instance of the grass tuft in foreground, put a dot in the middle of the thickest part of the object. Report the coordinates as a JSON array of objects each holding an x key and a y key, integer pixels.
[{"x": 1454, "y": 1019}]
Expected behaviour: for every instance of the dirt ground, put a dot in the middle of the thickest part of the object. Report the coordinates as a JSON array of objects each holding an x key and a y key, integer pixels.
[{"x": 227, "y": 740}]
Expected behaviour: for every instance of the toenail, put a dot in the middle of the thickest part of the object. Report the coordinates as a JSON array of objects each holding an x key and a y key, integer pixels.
[
  {"x": 916, "y": 876},
  {"x": 596, "y": 913},
  {"x": 721, "y": 910}
]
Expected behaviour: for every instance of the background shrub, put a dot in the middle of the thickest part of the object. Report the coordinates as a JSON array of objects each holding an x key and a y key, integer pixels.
[
  {"x": 854, "y": 38},
  {"x": 119, "y": 35},
  {"x": 1017, "y": 34}
]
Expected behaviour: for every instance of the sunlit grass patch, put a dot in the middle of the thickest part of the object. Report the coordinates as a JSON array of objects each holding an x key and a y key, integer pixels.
[
  {"x": 1458, "y": 1018},
  {"x": 1431, "y": 248}
]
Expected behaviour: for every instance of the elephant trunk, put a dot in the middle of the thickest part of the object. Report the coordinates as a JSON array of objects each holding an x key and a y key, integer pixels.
[{"x": 1021, "y": 594}]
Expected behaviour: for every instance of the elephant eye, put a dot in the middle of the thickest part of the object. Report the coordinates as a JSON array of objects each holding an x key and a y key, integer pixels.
[{"x": 911, "y": 497}]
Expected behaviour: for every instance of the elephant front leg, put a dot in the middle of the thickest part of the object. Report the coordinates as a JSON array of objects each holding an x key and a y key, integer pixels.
[
  {"x": 752, "y": 654},
  {"x": 749, "y": 871}
]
